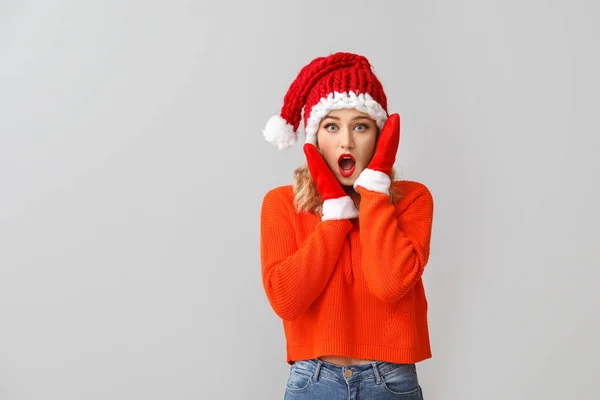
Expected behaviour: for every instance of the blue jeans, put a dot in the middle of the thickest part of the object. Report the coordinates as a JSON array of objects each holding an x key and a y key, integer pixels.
[{"x": 316, "y": 380}]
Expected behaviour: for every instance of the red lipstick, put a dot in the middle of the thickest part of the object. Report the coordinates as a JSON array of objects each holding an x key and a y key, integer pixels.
[{"x": 347, "y": 165}]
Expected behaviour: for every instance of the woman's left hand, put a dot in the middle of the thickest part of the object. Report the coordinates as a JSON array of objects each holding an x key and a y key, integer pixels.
[
  {"x": 376, "y": 176},
  {"x": 387, "y": 146}
]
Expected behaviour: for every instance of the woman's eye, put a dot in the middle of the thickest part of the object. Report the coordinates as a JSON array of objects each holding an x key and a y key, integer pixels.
[
  {"x": 361, "y": 128},
  {"x": 330, "y": 127}
]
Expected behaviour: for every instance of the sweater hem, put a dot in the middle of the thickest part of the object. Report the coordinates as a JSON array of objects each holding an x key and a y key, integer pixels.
[{"x": 383, "y": 353}]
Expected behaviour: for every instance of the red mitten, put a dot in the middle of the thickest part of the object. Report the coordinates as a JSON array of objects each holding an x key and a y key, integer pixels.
[
  {"x": 376, "y": 177},
  {"x": 336, "y": 203}
]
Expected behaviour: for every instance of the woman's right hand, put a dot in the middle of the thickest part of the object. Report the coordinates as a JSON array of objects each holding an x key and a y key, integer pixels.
[{"x": 336, "y": 202}]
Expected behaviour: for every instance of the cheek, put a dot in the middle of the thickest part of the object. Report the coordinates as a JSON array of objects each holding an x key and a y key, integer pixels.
[
  {"x": 368, "y": 148},
  {"x": 326, "y": 146}
]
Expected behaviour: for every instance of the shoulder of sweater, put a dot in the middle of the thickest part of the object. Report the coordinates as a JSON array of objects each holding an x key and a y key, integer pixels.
[
  {"x": 285, "y": 191},
  {"x": 411, "y": 188},
  {"x": 412, "y": 193},
  {"x": 281, "y": 195}
]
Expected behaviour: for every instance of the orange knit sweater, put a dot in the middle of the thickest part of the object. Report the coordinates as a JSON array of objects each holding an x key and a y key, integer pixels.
[{"x": 350, "y": 287}]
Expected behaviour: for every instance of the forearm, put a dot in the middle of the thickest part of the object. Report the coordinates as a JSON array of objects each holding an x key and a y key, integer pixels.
[
  {"x": 395, "y": 248},
  {"x": 294, "y": 277}
]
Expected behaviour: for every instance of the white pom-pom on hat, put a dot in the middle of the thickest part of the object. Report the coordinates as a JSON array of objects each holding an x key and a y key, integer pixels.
[{"x": 279, "y": 132}]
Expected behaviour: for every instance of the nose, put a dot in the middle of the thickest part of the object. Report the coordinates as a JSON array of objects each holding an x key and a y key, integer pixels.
[{"x": 347, "y": 139}]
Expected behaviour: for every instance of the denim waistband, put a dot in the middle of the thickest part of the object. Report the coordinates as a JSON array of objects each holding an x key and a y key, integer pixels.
[{"x": 373, "y": 370}]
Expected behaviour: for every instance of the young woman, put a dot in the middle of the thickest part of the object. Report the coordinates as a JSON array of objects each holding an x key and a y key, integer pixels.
[{"x": 343, "y": 249}]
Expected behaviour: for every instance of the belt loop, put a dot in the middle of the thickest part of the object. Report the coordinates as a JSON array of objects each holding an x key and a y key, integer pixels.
[
  {"x": 376, "y": 372},
  {"x": 317, "y": 370}
]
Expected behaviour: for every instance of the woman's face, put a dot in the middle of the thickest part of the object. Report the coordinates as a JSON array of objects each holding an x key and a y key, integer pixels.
[{"x": 347, "y": 139}]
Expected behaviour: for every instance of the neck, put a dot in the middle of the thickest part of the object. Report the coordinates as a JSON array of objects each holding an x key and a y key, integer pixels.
[{"x": 354, "y": 195}]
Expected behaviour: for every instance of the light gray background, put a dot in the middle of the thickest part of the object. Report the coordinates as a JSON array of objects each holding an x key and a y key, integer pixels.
[{"x": 132, "y": 169}]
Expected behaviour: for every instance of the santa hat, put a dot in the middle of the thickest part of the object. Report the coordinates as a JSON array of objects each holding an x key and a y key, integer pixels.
[{"x": 340, "y": 80}]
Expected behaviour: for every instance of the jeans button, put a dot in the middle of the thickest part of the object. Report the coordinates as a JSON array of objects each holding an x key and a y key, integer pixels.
[{"x": 348, "y": 373}]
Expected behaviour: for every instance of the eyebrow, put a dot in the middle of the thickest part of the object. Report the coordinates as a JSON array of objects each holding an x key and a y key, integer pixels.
[{"x": 353, "y": 119}]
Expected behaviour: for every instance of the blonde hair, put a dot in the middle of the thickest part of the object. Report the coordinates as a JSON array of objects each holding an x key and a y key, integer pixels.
[{"x": 307, "y": 198}]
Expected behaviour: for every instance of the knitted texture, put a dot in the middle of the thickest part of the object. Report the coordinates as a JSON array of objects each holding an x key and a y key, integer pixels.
[
  {"x": 350, "y": 287},
  {"x": 340, "y": 80}
]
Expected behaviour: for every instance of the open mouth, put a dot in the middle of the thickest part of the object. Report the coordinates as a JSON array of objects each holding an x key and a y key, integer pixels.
[{"x": 347, "y": 164}]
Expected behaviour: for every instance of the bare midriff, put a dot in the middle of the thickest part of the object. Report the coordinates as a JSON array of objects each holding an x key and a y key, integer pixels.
[{"x": 340, "y": 360}]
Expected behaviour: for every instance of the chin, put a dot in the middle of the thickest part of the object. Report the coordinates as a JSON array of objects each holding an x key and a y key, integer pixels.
[{"x": 348, "y": 181}]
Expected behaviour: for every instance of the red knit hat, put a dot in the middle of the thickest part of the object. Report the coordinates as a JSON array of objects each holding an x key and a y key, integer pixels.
[{"x": 341, "y": 80}]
